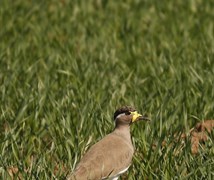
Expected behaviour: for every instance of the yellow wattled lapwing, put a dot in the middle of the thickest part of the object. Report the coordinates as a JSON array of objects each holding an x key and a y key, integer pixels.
[{"x": 112, "y": 155}]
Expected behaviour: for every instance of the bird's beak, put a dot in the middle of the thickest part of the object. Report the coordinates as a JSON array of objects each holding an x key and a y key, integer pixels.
[{"x": 137, "y": 117}]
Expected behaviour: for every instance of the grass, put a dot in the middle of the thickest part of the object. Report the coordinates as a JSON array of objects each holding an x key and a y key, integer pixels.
[{"x": 65, "y": 66}]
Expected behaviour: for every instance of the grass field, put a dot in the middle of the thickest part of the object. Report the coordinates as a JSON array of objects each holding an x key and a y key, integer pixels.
[{"x": 65, "y": 66}]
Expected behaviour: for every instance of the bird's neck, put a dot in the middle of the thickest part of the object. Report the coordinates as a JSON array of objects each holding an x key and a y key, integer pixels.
[{"x": 123, "y": 130}]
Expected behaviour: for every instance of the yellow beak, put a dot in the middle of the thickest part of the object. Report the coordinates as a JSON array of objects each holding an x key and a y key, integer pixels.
[{"x": 137, "y": 116}]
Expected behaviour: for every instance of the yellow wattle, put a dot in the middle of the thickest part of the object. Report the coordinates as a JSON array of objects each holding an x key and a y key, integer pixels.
[{"x": 135, "y": 116}]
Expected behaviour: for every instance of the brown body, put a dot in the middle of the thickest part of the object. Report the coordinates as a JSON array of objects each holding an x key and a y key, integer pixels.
[{"x": 99, "y": 162}]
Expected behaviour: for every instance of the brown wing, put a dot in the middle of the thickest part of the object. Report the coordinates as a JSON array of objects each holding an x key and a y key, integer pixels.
[{"x": 105, "y": 159}]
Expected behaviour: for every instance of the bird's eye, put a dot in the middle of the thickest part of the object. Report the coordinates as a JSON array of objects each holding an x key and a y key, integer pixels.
[{"x": 128, "y": 113}]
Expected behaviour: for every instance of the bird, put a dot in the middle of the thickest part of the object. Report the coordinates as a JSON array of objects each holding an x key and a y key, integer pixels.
[{"x": 111, "y": 156}]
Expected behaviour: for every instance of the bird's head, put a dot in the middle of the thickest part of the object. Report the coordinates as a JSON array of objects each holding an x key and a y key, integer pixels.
[{"x": 128, "y": 115}]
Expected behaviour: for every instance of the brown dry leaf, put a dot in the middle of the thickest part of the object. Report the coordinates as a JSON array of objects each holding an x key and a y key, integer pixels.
[
  {"x": 199, "y": 134},
  {"x": 13, "y": 171},
  {"x": 207, "y": 125}
]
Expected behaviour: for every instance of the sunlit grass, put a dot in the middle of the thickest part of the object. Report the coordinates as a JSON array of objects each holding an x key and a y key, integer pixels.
[{"x": 65, "y": 66}]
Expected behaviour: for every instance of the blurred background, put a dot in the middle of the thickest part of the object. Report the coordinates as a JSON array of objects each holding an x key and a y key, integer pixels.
[{"x": 66, "y": 66}]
